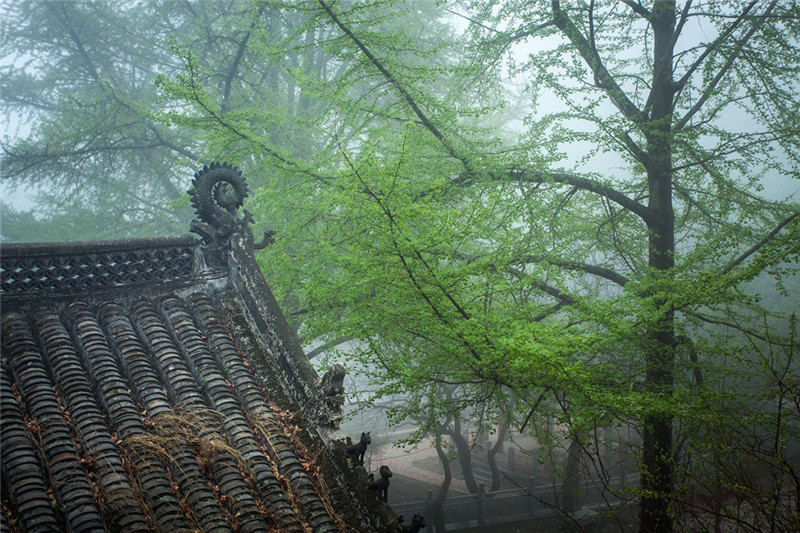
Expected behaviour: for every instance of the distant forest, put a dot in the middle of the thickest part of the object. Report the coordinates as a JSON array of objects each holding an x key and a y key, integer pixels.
[{"x": 582, "y": 212}]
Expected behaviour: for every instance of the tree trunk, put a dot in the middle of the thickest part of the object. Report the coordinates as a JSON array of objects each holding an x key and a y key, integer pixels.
[
  {"x": 491, "y": 454},
  {"x": 464, "y": 457},
  {"x": 571, "y": 481},
  {"x": 438, "y": 517},
  {"x": 656, "y": 470}
]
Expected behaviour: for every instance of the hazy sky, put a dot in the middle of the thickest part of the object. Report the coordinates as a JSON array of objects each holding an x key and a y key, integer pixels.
[{"x": 775, "y": 187}]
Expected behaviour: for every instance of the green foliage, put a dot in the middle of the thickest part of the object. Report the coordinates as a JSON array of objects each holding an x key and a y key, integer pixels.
[
  {"x": 582, "y": 250},
  {"x": 457, "y": 254},
  {"x": 80, "y": 107}
]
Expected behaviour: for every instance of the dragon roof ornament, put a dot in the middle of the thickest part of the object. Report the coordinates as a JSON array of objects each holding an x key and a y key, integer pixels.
[{"x": 218, "y": 191}]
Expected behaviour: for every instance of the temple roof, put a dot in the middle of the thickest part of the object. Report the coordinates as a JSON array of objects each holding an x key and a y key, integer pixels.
[{"x": 154, "y": 385}]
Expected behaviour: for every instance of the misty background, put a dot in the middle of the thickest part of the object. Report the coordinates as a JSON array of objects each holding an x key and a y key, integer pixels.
[{"x": 424, "y": 165}]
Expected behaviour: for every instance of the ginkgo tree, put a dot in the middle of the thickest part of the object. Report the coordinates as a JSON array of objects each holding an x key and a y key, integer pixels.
[{"x": 582, "y": 266}]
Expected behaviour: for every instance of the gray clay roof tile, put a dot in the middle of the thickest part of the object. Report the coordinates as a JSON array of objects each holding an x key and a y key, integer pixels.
[
  {"x": 154, "y": 385},
  {"x": 130, "y": 405}
]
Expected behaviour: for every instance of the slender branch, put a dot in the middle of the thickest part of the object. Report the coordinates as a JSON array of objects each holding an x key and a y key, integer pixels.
[
  {"x": 637, "y": 8},
  {"x": 31, "y": 160},
  {"x": 531, "y": 31},
  {"x": 592, "y": 40},
  {"x": 581, "y": 183},
  {"x": 681, "y": 83},
  {"x": 730, "y": 147},
  {"x": 629, "y": 144},
  {"x": 476, "y": 22},
  {"x": 562, "y": 297},
  {"x": 238, "y": 57},
  {"x": 548, "y": 312},
  {"x": 733, "y": 325},
  {"x": 709, "y": 89},
  {"x": 185, "y": 152},
  {"x": 510, "y": 38},
  {"x": 532, "y": 410},
  {"x": 599, "y": 271},
  {"x": 79, "y": 44},
  {"x": 555, "y": 292},
  {"x": 410, "y": 101},
  {"x": 439, "y": 313},
  {"x": 698, "y": 373},
  {"x": 327, "y": 346},
  {"x": 603, "y": 78},
  {"x": 753, "y": 249},
  {"x": 681, "y": 22},
  {"x": 596, "y": 270},
  {"x": 28, "y": 102},
  {"x": 219, "y": 119}
]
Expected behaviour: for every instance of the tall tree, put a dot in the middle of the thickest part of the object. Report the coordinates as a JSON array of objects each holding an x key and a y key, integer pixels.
[
  {"x": 85, "y": 131},
  {"x": 529, "y": 278},
  {"x": 643, "y": 90},
  {"x": 581, "y": 280},
  {"x": 77, "y": 93}
]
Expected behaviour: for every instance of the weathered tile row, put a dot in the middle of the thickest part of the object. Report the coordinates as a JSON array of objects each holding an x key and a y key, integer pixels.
[
  {"x": 102, "y": 364},
  {"x": 155, "y": 405},
  {"x": 120, "y": 503},
  {"x": 4, "y": 526},
  {"x": 21, "y": 471},
  {"x": 255, "y": 386},
  {"x": 60, "y": 453},
  {"x": 251, "y": 397},
  {"x": 210, "y": 320},
  {"x": 137, "y": 366},
  {"x": 168, "y": 439},
  {"x": 187, "y": 393},
  {"x": 223, "y": 400}
]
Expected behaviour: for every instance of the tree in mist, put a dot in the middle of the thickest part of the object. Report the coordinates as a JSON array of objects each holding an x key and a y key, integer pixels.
[
  {"x": 85, "y": 130},
  {"x": 508, "y": 268},
  {"x": 594, "y": 288},
  {"x": 77, "y": 89}
]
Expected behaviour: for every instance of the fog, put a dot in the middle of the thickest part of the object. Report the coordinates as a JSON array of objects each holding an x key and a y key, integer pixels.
[{"x": 480, "y": 213}]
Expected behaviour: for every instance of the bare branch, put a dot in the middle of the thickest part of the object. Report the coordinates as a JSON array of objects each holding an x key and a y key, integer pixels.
[
  {"x": 185, "y": 152},
  {"x": 602, "y": 272},
  {"x": 680, "y": 84},
  {"x": 735, "y": 325},
  {"x": 219, "y": 119},
  {"x": 531, "y": 31},
  {"x": 28, "y": 102},
  {"x": 698, "y": 373},
  {"x": 327, "y": 346},
  {"x": 555, "y": 292},
  {"x": 78, "y": 43},
  {"x": 25, "y": 161},
  {"x": 757, "y": 246},
  {"x": 239, "y": 55},
  {"x": 684, "y": 17},
  {"x": 637, "y": 8},
  {"x": 532, "y": 410},
  {"x": 412, "y": 103},
  {"x": 476, "y": 22},
  {"x": 634, "y": 149}
]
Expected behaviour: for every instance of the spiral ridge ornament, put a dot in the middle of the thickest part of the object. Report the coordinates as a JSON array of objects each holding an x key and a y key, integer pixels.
[{"x": 218, "y": 190}]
